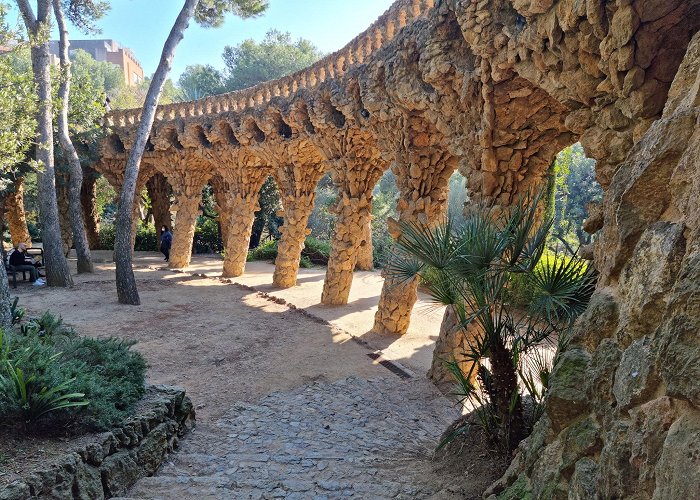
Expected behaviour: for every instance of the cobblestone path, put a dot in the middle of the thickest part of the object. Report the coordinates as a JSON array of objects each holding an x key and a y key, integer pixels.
[{"x": 350, "y": 438}]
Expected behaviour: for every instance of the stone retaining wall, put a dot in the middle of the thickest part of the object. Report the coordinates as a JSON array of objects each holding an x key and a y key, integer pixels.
[{"x": 115, "y": 460}]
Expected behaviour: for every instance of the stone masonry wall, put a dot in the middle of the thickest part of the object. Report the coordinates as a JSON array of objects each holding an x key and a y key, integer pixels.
[
  {"x": 623, "y": 413},
  {"x": 115, "y": 460}
]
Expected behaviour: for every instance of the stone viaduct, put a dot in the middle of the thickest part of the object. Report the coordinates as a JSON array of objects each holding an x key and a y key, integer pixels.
[{"x": 494, "y": 88}]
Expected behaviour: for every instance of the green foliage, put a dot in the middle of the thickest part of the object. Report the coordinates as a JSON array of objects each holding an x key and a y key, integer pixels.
[
  {"x": 315, "y": 252},
  {"x": 51, "y": 379},
  {"x": 265, "y": 251},
  {"x": 17, "y": 312},
  {"x": 384, "y": 200},
  {"x": 277, "y": 55},
  {"x": 104, "y": 76},
  {"x": 198, "y": 81},
  {"x": 110, "y": 374},
  {"x": 472, "y": 268},
  {"x": 267, "y": 218},
  {"x": 31, "y": 382},
  {"x": 47, "y": 325},
  {"x": 211, "y": 13},
  {"x": 575, "y": 186},
  {"x": 17, "y": 109},
  {"x": 83, "y": 13},
  {"x": 146, "y": 239},
  {"x": 207, "y": 238},
  {"x": 323, "y": 217}
]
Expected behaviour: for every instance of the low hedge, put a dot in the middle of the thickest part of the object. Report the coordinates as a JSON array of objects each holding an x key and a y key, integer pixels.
[{"x": 53, "y": 381}]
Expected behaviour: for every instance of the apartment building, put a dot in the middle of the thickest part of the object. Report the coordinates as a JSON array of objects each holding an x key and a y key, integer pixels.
[{"x": 109, "y": 51}]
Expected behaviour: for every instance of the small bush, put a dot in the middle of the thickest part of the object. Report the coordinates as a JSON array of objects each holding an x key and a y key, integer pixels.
[
  {"x": 110, "y": 375},
  {"x": 146, "y": 239},
  {"x": 107, "y": 233},
  {"x": 315, "y": 252},
  {"x": 51, "y": 379},
  {"x": 207, "y": 238},
  {"x": 265, "y": 251}
]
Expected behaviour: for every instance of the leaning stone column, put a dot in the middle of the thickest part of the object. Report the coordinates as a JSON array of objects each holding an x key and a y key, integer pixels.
[
  {"x": 242, "y": 203},
  {"x": 159, "y": 192},
  {"x": 365, "y": 254},
  {"x": 353, "y": 216},
  {"x": 356, "y": 169},
  {"x": 298, "y": 190},
  {"x": 88, "y": 202},
  {"x": 15, "y": 215},
  {"x": 188, "y": 194},
  {"x": 422, "y": 171},
  {"x": 187, "y": 173}
]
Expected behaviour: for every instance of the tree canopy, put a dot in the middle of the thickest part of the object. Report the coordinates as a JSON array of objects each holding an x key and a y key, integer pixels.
[
  {"x": 251, "y": 62},
  {"x": 199, "y": 81}
]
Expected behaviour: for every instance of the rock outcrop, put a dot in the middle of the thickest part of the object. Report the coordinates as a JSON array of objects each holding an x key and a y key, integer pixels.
[{"x": 623, "y": 414}]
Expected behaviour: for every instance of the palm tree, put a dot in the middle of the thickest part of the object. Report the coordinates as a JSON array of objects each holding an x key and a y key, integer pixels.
[{"x": 475, "y": 267}]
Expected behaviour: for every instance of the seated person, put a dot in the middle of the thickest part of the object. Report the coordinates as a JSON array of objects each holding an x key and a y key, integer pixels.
[{"x": 21, "y": 261}]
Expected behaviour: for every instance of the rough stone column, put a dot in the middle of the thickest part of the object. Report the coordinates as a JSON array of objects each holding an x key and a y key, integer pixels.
[
  {"x": 453, "y": 344},
  {"x": 423, "y": 170},
  {"x": 188, "y": 194},
  {"x": 88, "y": 201},
  {"x": 355, "y": 176},
  {"x": 356, "y": 166},
  {"x": 353, "y": 216},
  {"x": 242, "y": 203},
  {"x": 221, "y": 191},
  {"x": 15, "y": 215},
  {"x": 159, "y": 192},
  {"x": 297, "y": 185},
  {"x": 365, "y": 254}
]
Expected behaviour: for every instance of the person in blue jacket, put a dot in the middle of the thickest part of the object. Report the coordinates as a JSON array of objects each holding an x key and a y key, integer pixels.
[{"x": 166, "y": 241}]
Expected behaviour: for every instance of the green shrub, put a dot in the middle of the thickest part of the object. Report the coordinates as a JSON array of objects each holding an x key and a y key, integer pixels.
[
  {"x": 315, "y": 252},
  {"x": 33, "y": 384},
  {"x": 51, "y": 379},
  {"x": 146, "y": 238},
  {"x": 207, "y": 238},
  {"x": 110, "y": 375},
  {"x": 107, "y": 233},
  {"x": 48, "y": 325},
  {"x": 265, "y": 251}
]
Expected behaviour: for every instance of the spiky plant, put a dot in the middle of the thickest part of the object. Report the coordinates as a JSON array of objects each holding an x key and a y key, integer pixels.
[{"x": 471, "y": 267}]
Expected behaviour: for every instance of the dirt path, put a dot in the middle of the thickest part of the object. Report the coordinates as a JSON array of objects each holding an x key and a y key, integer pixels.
[{"x": 331, "y": 421}]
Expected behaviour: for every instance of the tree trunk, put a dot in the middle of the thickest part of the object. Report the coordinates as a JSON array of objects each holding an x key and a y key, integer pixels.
[
  {"x": 63, "y": 209},
  {"x": 5, "y": 304},
  {"x": 88, "y": 201},
  {"x": 504, "y": 386},
  {"x": 15, "y": 215},
  {"x": 57, "y": 271},
  {"x": 80, "y": 240},
  {"x": 126, "y": 281}
]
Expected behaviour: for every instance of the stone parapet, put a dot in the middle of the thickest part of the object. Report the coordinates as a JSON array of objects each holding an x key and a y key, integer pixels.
[{"x": 115, "y": 460}]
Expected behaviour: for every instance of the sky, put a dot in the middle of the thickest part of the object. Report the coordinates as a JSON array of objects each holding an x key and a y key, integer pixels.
[{"x": 143, "y": 25}]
